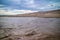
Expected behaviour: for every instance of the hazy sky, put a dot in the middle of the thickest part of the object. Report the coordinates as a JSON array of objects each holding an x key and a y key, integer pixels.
[{"x": 26, "y": 6}]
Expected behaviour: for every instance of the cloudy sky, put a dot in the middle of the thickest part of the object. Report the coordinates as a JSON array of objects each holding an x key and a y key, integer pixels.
[{"x": 12, "y": 7}]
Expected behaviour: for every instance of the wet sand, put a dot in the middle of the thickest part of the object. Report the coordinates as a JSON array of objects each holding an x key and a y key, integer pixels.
[{"x": 29, "y": 28}]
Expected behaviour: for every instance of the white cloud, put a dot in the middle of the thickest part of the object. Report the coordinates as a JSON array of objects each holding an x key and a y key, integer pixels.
[
  {"x": 10, "y": 11},
  {"x": 14, "y": 12},
  {"x": 54, "y": 5},
  {"x": 6, "y": 12},
  {"x": 33, "y": 5},
  {"x": 50, "y": 6},
  {"x": 29, "y": 4},
  {"x": 23, "y": 11},
  {"x": 15, "y": 1},
  {"x": 1, "y": 5}
]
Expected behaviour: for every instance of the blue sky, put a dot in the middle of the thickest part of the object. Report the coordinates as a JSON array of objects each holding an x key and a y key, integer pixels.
[{"x": 16, "y": 6}]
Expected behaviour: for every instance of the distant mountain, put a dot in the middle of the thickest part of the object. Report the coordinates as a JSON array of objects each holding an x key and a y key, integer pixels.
[{"x": 53, "y": 13}]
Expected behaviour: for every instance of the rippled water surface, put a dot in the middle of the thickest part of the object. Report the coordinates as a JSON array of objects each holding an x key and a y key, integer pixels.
[{"x": 28, "y": 23}]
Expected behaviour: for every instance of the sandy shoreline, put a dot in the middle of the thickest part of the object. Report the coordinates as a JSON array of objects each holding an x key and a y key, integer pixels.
[
  {"x": 29, "y": 28},
  {"x": 31, "y": 35}
]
